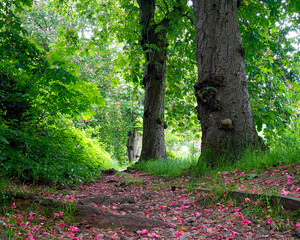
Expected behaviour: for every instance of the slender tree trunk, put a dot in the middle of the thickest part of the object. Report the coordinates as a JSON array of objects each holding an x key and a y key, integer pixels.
[
  {"x": 224, "y": 108},
  {"x": 154, "y": 44},
  {"x": 133, "y": 144}
]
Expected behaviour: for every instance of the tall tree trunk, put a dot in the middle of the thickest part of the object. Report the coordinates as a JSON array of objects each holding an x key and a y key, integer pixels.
[
  {"x": 223, "y": 102},
  {"x": 153, "y": 145},
  {"x": 154, "y": 44}
]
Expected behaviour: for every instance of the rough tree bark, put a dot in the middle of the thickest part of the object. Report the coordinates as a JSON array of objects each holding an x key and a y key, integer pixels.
[
  {"x": 223, "y": 103},
  {"x": 154, "y": 44}
]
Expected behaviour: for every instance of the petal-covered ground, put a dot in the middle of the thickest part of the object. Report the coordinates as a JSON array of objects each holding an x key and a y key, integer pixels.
[
  {"x": 283, "y": 180},
  {"x": 188, "y": 212}
]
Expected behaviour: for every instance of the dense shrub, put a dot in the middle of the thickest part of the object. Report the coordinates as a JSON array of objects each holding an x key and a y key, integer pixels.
[{"x": 57, "y": 154}]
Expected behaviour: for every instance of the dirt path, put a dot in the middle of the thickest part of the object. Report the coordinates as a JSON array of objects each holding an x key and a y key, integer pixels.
[
  {"x": 176, "y": 209},
  {"x": 189, "y": 214}
]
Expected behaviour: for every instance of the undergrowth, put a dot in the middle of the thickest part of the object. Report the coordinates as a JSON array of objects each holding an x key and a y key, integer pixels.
[
  {"x": 56, "y": 155},
  {"x": 284, "y": 151}
]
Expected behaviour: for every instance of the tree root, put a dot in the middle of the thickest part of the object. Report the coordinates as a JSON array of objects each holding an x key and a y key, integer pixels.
[{"x": 89, "y": 214}]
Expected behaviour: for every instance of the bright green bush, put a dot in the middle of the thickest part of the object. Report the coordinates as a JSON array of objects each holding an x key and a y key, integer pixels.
[
  {"x": 38, "y": 91},
  {"x": 57, "y": 154}
]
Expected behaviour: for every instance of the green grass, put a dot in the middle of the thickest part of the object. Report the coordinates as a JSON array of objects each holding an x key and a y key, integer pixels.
[
  {"x": 285, "y": 151},
  {"x": 166, "y": 166}
]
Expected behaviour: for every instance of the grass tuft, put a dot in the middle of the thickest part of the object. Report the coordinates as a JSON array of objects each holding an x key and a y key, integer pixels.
[{"x": 166, "y": 166}]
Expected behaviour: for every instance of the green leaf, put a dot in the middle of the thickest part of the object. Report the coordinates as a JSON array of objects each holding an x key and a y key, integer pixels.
[
  {"x": 252, "y": 176},
  {"x": 4, "y": 140}
]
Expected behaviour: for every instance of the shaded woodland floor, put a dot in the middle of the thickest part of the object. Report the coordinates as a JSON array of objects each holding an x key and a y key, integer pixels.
[{"x": 134, "y": 205}]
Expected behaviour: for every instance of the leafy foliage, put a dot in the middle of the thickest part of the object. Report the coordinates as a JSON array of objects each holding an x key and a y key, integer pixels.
[
  {"x": 37, "y": 95},
  {"x": 271, "y": 59},
  {"x": 60, "y": 61},
  {"x": 112, "y": 123},
  {"x": 59, "y": 154},
  {"x": 272, "y": 63}
]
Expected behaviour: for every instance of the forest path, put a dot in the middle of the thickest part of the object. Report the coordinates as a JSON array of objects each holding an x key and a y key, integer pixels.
[
  {"x": 134, "y": 205},
  {"x": 191, "y": 213}
]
